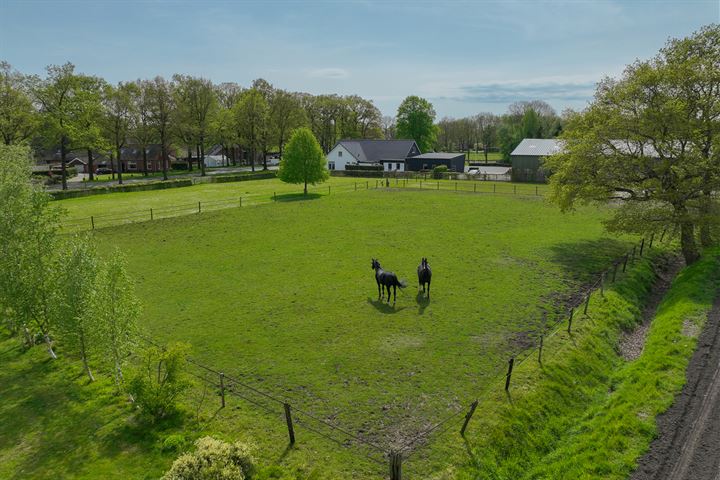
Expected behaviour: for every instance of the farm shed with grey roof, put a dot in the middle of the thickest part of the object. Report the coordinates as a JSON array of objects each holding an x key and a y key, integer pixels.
[{"x": 527, "y": 158}]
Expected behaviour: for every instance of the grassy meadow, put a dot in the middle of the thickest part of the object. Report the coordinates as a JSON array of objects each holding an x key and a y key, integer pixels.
[{"x": 282, "y": 296}]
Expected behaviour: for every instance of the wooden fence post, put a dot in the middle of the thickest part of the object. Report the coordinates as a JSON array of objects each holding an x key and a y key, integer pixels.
[
  {"x": 328, "y": 189},
  {"x": 92, "y": 222},
  {"x": 468, "y": 416},
  {"x": 514, "y": 189},
  {"x": 288, "y": 419},
  {"x": 536, "y": 190},
  {"x": 511, "y": 362},
  {"x": 199, "y": 207},
  {"x": 540, "y": 350},
  {"x": 151, "y": 214},
  {"x": 570, "y": 319},
  {"x": 356, "y": 186},
  {"x": 587, "y": 304},
  {"x": 222, "y": 389},
  {"x": 642, "y": 246},
  {"x": 602, "y": 284},
  {"x": 617, "y": 264},
  {"x": 456, "y": 186},
  {"x": 494, "y": 185},
  {"x": 662, "y": 235},
  {"x": 625, "y": 262},
  {"x": 652, "y": 237},
  {"x": 395, "y": 465},
  {"x": 475, "y": 187},
  {"x": 241, "y": 200},
  {"x": 274, "y": 196},
  {"x": 438, "y": 185}
]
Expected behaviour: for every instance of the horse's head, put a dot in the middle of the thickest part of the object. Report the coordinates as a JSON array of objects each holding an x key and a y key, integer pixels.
[{"x": 375, "y": 264}]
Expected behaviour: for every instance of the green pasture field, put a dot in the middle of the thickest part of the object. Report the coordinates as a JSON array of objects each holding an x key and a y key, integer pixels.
[
  {"x": 282, "y": 296},
  {"x": 480, "y": 157}
]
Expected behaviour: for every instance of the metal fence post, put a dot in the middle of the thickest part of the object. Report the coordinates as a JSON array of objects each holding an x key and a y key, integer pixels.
[
  {"x": 288, "y": 419},
  {"x": 468, "y": 416},
  {"x": 511, "y": 362}
]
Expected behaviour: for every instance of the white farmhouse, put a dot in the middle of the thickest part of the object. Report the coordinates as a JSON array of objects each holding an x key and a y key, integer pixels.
[{"x": 391, "y": 154}]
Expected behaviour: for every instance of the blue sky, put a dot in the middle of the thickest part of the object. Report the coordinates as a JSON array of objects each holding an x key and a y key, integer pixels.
[{"x": 464, "y": 56}]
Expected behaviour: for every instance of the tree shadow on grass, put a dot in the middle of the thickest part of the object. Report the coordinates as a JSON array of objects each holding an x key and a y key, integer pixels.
[
  {"x": 295, "y": 197},
  {"x": 383, "y": 307},
  {"x": 583, "y": 260}
]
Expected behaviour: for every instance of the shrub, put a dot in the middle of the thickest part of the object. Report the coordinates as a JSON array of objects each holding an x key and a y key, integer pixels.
[
  {"x": 159, "y": 380},
  {"x": 174, "y": 443},
  {"x": 364, "y": 168},
  {"x": 439, "y": 171},
  {"x": 214, "y": 459}
]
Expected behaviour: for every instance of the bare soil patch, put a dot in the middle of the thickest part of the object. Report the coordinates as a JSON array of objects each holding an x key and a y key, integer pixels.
[{"x": 632, "y": 344}]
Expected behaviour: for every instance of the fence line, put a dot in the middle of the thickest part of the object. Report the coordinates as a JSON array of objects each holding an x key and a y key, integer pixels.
[{"x": 114, "y": 219}]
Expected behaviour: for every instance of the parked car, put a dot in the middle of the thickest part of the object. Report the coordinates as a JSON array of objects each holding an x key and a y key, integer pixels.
[{"x": 102, "y": 171}]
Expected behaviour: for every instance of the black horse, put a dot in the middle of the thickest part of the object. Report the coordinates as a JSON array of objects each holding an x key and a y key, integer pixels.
[
  {"x": 424, "y": 275},
  {"x": 386, "y": 280}
]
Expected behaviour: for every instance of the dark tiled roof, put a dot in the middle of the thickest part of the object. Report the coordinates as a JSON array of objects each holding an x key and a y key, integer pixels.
[{"x": 374, "y": 151}]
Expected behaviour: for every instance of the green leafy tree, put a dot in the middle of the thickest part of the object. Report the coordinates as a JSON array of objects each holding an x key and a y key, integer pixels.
[
  {"x": 141, "y": 127},
  {"x": 415, "y": 117},
  {"x": 29, "y": 258},
  {"x": 119, "y": 109},
  {"x": 251, "y": 121},
  {"x": 286, "y": 115},
  {"x": 197, "y": 103},
  {"x": 67, "y": 102},
  {"x": 160, "y": 379},
  {"x": 304, "y": 160},
  {"x": 18, "y": 117},
  {"x": 78, "y": 318},
  {"x": 162, "y": 113},
  {"x": 638, "y": 144},
  {"x": 118, "y": 310}
]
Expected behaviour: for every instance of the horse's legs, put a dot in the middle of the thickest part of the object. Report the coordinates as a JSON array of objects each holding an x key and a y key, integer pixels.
[
  {"x": 428, "y": 290},
  {"x": 394, "y": 294},
  {"x": 378, "y": 284}
]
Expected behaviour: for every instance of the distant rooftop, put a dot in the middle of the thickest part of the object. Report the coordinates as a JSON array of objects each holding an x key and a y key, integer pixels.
[
  {"x": 374, "y": 151},
  {"x": 541, "y": 147},
  {"x": 439, "y": 155}
]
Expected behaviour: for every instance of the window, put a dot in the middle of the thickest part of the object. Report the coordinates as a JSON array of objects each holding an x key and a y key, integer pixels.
[
  {"x": 339, "y": 153},
  {"x": 331, "y": 165},
  {"x": 132, "y": 166},
  {"x": 397, "y": 166}
]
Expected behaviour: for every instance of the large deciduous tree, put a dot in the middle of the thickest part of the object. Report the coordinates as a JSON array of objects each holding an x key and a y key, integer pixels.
[
  {"x": 162, "y": 110},
  {"x": 119, "y": 109},
  {"x": 286, "y": 114},
  {"x": 649, "y": 140},
  {"x": 251, "y": 121},
  {"x": 196, "y": 104},
  {"x": 415, "y": 117},
  {"x": 141, "y": 128},
  {"x": 304, "y": 160},
  {"x": 18, "y": 117}
]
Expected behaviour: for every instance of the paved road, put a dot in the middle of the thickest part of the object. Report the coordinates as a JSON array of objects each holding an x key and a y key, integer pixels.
[{"x": 688, "y": 445}]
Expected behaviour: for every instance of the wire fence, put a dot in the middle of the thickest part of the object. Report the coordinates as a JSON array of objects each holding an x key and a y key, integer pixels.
[
  {"x": 393, "y": 460},
  {"x": 92, "y": 222}
]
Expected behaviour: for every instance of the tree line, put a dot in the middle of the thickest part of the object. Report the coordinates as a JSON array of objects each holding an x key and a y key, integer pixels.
[
  {"x": 66, "y": 110},
  {"x": 486, "y": 132}
]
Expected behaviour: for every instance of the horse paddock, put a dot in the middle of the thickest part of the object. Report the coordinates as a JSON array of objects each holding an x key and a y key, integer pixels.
[{"x": 282, "y": 296}]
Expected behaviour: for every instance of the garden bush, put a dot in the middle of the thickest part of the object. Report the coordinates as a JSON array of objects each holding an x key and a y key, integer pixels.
[{"x": 214, "y": 459}]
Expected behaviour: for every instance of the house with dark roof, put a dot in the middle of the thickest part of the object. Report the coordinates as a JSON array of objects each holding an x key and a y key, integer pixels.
[
  {"x": 389, "y": 153},
  {"x": 455, "y": 162}
]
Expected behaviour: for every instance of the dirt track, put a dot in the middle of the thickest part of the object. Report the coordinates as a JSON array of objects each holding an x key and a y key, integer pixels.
[{"x": 688, "y": 445}]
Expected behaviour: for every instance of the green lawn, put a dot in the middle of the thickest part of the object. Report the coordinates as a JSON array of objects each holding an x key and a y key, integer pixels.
[
  {"x": 283, "y": 297},
  {"x": 480, "y": 157}
]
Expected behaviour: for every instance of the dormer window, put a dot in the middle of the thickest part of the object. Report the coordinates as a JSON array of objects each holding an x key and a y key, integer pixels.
[{"x": 339, "y": 153}]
